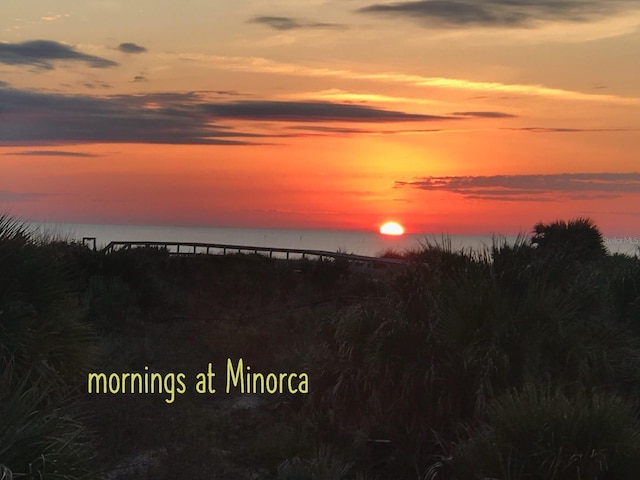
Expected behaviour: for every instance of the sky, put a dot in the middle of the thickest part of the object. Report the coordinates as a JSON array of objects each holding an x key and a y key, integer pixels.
[{"x": 455, "y": 116}]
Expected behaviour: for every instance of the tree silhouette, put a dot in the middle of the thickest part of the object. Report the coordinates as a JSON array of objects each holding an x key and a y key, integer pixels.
[{"x": 578, "y": 239}]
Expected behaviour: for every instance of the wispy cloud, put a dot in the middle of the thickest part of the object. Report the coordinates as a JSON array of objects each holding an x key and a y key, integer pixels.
[
  {"x": 335, "y": 94},
  {"x": 51, "y": 153},
  {"x": 532, "y": 187},
  {"x": 289, "y": 23},
  {"x": 512, "y": 88},
  {"x": 501, "y": 13},
  {"x": 326, "y": 131},
  {"x": 54, "y": 17},
  {"x": 129, "y": 47},
  {"x": 97, "y": 84},
  {"x": 43, "y": 53},
  {"x": 484, "y": 114},
  {"x": 11, "y": 196},
  {"x": 264, "y": 65},
  {"x": 569, "y": 130}
]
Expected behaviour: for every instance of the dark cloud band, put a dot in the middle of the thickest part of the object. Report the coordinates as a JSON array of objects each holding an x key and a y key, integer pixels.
[
  {"x": 43, "y": 53},
  {"x": 501, "y": 13},
  {"x": 51, "y": 153},
  {"x": 37, "y": 118},
  {"x": 311, "y": 112},
  {"x": 539, "y": 187},
  {"x": 289, "y": 23}
]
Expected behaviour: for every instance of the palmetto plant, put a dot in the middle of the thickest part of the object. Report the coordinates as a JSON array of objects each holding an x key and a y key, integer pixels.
[
  {"x": 578, "y": 239},
  {"x": 44, "y": 347},
  {"x": 39, "y": 441},
  {"x": 41, "y": 334}
]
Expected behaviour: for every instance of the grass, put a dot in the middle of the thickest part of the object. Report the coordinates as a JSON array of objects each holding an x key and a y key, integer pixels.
[
  {"x": 545, "y": 433},
  {"x": 516, "y": 362},
  {"x": 44, "y": 348}
]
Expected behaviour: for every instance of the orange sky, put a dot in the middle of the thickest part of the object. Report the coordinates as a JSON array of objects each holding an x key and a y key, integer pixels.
[{"x": 322, "y": 114}]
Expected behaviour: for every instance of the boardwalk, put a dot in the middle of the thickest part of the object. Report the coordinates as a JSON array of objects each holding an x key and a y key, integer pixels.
[{"x": 194, "y": 248}]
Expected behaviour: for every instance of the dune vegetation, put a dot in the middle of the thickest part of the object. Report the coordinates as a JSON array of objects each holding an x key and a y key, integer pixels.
[{"x": 518, "y": 362}]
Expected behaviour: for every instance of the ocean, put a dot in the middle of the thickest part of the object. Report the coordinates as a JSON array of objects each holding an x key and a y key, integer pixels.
[{"x": 356, "y": 242}]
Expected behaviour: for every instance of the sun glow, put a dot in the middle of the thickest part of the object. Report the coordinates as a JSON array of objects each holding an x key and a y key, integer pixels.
[{"x": 391, "y": 228}]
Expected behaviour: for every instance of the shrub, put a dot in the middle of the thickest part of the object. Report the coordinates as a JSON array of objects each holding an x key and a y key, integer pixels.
[
  {"x": 44, "y": 348},
  {"x": 541, "y": 433},
  {"x": 576, "y": 240}
]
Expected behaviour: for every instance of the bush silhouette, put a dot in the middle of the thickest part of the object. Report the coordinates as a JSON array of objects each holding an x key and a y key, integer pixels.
[{"x": 577, "y": 240}]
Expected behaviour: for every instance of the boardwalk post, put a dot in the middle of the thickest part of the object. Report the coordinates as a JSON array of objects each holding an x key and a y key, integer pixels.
[{"x": 89, "y": 242}]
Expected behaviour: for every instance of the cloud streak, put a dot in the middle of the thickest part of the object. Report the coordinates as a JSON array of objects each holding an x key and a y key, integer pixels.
[
  {"x": 11, "y": 196},
  {"x": 265, "y": 65},
  {"x": 43, "y": 54},
  {"x": 327, "y": 131},
  {"x": 574, "y": 186},
  {"x": 54, "y": 17},
  {"x": 208, "y": 118},
  {"x": 484, "y": 115},
  {"x": 569, "y": 130},
  {"x": 282, "y": 111},
  {"x": 289, "y": 23},
  {"x": 501, "y": 13},
  {"x": 51, "y": 153}
]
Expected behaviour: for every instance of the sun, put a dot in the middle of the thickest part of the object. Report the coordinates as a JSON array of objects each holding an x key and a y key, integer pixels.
[{"x": 391, "y": 228}]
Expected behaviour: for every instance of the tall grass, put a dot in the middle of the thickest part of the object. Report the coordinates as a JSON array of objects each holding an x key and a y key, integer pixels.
[
  {"x": 461, "y": 331},
  {"x": 543, "y": 433},
  {"x": 326, "y": 464},
  {"x": 39, "y": 440},
  {"x": 44, "y": 348}
]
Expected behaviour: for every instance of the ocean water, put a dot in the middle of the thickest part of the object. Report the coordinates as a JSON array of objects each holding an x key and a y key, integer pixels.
[{"x": 360, "y": 243}]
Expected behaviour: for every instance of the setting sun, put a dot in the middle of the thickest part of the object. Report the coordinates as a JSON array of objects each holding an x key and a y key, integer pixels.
[{"x": 391, "y": 228}]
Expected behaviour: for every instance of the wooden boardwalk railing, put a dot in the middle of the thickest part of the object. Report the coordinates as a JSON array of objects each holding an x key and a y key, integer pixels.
[{"x": 191, "y": 248}]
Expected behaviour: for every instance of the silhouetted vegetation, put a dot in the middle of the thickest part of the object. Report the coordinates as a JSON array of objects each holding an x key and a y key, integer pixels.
[{"x": 518, "y": 362}]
